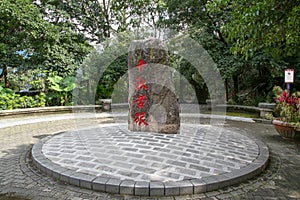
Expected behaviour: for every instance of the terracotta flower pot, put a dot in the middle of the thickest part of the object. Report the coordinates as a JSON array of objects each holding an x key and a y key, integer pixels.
[{"x": 285, "y": 129}]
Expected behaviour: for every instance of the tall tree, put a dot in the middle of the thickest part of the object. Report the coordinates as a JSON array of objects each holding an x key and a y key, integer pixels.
[
  {"x": 100, "y": 19},
  {"x": 208, "y": 22},
  {"x": 19, "y": 21},
  {"x": 262, "y": 25},
  {"x": 194, "y": 18},
  {"x": 24, "y": 29},
  {"x": 266, "y": 33}
]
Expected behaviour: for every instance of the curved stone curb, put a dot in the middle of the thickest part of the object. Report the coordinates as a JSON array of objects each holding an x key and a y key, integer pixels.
[{"x": 144, "y": 188}]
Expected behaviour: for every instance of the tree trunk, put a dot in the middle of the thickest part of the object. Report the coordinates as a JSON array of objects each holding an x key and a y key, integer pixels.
[
  {"x": 201, "y": 93},
  {"x": 235, "y": 89},
  {"x": 5, "y": 76},
  {"x": 226, "y": 88},
  {"x": 181, "y": 86}
]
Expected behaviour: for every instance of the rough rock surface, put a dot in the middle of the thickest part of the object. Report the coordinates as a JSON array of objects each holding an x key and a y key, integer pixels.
[{"x": 153, "y": 104}]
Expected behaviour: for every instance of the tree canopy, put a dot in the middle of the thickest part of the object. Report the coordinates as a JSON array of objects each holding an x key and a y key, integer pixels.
[
  {"x": 211, "y": 23},
  {"x": 25, "y": 28},
  {"x": 270, "y": 25},
  {"x": 100, "y": 19},
  {"x": 250, "y": 41}
]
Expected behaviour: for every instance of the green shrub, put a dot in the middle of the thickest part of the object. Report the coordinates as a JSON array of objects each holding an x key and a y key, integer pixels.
[
  {"x": 60, "y": 90},
  {"x": 10, "y": 100}
]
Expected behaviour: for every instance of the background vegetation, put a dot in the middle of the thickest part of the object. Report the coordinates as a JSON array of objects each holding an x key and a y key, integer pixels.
[{"x": 43, "y": 44}]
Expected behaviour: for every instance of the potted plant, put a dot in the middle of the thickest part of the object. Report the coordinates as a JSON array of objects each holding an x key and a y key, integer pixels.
[{"x": 287, "y": 113}]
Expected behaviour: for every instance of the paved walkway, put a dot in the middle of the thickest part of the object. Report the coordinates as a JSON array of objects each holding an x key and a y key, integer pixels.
[{"x": 281, "y": 180}]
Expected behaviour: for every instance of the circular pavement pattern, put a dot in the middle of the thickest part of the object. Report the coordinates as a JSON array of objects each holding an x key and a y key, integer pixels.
[{"x": 110, "y": 158}]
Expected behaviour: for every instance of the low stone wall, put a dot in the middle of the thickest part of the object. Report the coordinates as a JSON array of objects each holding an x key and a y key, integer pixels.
[
  {"x": 47, "y": 110},
  {"x": 239, "y": 107},
  {"x": 266, "y": 108},
  {"x": 262, "y": 109}
]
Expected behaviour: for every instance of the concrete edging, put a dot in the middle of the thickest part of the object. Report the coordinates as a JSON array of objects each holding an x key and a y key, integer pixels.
[{"x": 144, "y": 188}]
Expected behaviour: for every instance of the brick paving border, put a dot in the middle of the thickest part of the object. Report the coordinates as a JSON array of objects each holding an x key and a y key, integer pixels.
[{"x": 116, "y": 185}]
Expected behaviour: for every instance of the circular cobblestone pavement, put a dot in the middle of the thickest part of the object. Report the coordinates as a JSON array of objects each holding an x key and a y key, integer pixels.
[{"x": 116, "y": 160}]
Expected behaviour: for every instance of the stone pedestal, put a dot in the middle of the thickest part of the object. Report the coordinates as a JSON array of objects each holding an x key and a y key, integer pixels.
[
  {"x": 153, "y": 104},
  {"x": 266, "y": 108},
  {"x": 106, "y": 104}
]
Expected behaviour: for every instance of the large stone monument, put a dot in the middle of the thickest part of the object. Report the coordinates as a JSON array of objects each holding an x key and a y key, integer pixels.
[{"x": 153, "y": 104}]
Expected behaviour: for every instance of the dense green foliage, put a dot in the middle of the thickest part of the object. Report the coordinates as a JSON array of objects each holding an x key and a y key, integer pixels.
[
  {"x": 103, "y": 68},
  {"x": 101, "y": 19},
  {"x": 30, "y": 41},
  {"x": 10, "y": 100},
  {"x": 61, "y": 88},
  {"x": 52, "y": 46},
  {"x": 220, "y": 27},
  {"x": 269, "y": 25},
  {"x": 44, "y": 42}
]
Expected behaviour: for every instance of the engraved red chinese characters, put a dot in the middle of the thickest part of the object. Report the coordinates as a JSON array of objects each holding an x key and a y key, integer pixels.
[
  {"x": 141, "y": 101},
  {"x": 140, "y": 119}
]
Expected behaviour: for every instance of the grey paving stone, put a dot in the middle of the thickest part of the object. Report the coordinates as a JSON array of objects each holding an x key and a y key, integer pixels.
[
  {"x": 171, "y": 189},
  {"x": 200, "y": 168},
  {"x": 42, "y": 165},
  {"x": 215, "y": 156},
  {"x": 157, "y": 189},
  {"x": 85, "y": 158},
  {"x": 67, "y": 161},
  {"x": 212, "y": 183},
  {"x": 99, "y": 184},
  {"x": 199, "y": 186},
  {"x": 65, "y": 176},
  {"x": 177, "y": 163},
  {"x": 86, "y": 181},
  {"x": 120, "y": 158},
  {"x": 144, "y": 169},
  {"x": 128, "y": 174},
  {"x": 129, "y": 149},
  {"x": 192, "y": 150},
  {"x": 190, "y": 160},
  {"x": 186, "y": 171},
  {"x": 86, "y": 165},
  {"x": 122, "y": 164},
  {"x": 113, "y": 186},
  {"x": 56, "y": 172},
  {"x": 135, "y": 155},
  {"x": 154, "y": 158},
  {"x": 147, "y": 152},
  {"x": 74, "y": 179},
  {"x": 142, "y": 188},
  {"x": 127, "y": 187},
  {"x": 151, "y": 140},
  {"x": 156, "y": 144},
  {"x": 185, "y": 187},
  {"x": 137, "y": 161},
  {"x": 168, "y": 155},
  {"x": 187, "y": 154}
]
